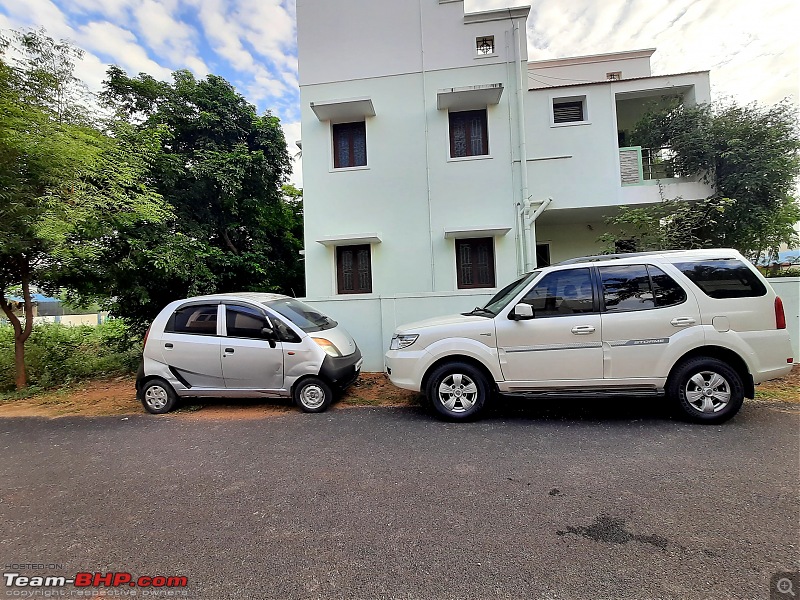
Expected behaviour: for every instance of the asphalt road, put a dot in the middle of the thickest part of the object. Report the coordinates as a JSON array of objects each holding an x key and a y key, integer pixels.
[{"x": 573, "y": 502}]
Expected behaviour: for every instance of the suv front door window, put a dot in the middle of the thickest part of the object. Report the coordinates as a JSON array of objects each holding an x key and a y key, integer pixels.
[{"x": 562, "y": 341}]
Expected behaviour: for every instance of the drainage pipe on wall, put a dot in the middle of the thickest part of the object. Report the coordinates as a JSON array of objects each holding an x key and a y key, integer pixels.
[{"x": 528, "y": 261}]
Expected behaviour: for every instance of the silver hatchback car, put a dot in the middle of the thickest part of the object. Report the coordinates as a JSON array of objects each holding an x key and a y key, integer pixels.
[{"x": 245, "y": 345}]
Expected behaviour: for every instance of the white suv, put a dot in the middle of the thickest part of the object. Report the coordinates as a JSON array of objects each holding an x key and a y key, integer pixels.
[{"x": 702, "y": 326}]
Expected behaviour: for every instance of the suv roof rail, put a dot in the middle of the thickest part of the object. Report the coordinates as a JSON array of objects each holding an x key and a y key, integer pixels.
[{"x": 602, "y": 257}]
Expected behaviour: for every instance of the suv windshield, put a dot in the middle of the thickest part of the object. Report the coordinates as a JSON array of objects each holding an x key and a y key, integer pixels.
[
  {"x": 508, "y": 293},
  {"x": 306, "y": 318}
]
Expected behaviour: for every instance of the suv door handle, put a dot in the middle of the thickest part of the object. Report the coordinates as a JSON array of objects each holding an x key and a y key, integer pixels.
[
  {"x": 583, "y": 329},
  {"x": 683, "y": 321},
  {"x": 168, "y": 345}
]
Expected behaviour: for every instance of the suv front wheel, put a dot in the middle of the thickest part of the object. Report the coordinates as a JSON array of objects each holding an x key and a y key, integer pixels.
[
  {"x": 457, "y": 391},
  {"x": 706, "y": 390}
]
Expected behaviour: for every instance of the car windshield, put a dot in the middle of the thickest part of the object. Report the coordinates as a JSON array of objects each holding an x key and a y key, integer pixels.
[
  {"x": 306, "y": 318},
  {"x": 508, "y": 293}
]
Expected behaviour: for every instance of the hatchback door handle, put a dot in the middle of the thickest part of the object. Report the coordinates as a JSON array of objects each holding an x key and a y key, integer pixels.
[
  {"x": 583, "y": 329},
  {"x": 683, "y": 321},
  {"x": 229, "y": 350},
  {"x": 168, "y": 345}
]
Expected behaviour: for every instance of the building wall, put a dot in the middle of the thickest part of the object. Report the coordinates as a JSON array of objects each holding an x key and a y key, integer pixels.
[
  {"x": 411, "y": 191},
  {"x": 549, "y": 73}
]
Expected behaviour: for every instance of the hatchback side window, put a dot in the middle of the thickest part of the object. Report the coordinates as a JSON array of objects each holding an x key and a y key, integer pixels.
[
  {"x": 285, "y": 333},
  {"x": 245, "y": 322},
  {"x": 199, "y": 319},
  {"x": 561, "y": 293}
]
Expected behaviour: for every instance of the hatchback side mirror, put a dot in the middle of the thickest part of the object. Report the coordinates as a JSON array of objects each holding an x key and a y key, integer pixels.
[
  {"x": 269, "y": 334},
  {"x": 522, "y": 312}
]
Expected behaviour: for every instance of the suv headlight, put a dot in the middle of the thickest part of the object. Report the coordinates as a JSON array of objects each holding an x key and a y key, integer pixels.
[
  {"x": 402, "y": 341},
  {"x": 329, "y": 347}
]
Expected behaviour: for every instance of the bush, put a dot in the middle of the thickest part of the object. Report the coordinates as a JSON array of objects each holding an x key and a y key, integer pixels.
[{"x": 56, "y": 354}]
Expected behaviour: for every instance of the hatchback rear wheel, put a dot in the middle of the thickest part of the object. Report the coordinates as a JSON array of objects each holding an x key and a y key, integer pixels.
[{"x": 157, "y": 397}]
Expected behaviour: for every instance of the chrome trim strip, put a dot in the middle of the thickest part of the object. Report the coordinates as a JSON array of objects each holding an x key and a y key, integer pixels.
[
  {"x": 645, "y": 342},
  {"x": 545, "y": 347}
]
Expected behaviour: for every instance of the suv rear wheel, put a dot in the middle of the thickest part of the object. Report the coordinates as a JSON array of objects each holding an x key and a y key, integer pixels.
[
  {"x": 706, "y": 390},
  {"x": 457, "y": 391}
]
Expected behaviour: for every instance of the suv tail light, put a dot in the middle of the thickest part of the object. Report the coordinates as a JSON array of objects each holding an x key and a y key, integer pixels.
[{"x": 780, "y": 316}]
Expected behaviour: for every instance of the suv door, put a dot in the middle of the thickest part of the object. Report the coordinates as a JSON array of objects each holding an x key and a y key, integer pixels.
[
  {"x": 562, "y": 341},
  {"x": 645, "y": 312},
  {"x": 190, "y": 346},
  {"x": 249, "y": 360}
]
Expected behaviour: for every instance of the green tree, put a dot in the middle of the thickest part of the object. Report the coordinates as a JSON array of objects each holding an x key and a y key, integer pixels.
[
  {"x": 750, "y": 155},
  {"x": 60, "y": 177},
  {"x": 221, "y": 166}
]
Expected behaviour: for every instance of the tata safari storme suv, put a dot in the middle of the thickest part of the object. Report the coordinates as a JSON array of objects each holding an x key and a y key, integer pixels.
[
  {"x": 245, "y": 345},
  {"x": 700, "y": 326}
]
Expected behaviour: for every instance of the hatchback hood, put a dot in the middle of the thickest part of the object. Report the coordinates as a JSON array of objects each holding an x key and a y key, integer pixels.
[
  {"x": 339, "y": 337},
  {"x": 445, "y": 320}
]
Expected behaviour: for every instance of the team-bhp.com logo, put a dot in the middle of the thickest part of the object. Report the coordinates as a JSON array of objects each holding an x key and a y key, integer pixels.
[{"x": 96, "y": 580}]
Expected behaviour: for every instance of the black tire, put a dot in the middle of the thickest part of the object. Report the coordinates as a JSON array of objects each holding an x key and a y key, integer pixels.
[
  {"x": 705, "y": 390},
  {"x": 313, "y": 395},
  {"x": 157, "y": 397},
  {"x": 458, "y": 391}
]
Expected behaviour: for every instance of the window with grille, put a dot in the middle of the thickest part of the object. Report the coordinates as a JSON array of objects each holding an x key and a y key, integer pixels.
[
  {"x": 614, "y": 76},
  {"x": 349, "y": 145},
  {"x": 484, "y": 46},
  {"x": 354, "y": 269},
  {"x": 570, "y": 111},
  {"x": 468, "y": 133},
  {"x": 475, "y": 263}
]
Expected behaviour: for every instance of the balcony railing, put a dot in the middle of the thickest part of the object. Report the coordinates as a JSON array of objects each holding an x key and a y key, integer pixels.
[{"x": 638, "y": 164}]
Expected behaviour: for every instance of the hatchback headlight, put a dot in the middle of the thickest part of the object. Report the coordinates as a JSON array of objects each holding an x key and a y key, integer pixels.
[
  {"x": 402, "y": 341},
  {"x": 329, "y": 347}
]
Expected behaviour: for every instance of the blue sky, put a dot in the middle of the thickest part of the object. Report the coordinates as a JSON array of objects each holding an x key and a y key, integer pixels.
[{"x": 751, "y": 47}]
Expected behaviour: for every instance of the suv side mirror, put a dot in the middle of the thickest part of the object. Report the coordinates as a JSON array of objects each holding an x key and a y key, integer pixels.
[{"x": 522, "y": 312}]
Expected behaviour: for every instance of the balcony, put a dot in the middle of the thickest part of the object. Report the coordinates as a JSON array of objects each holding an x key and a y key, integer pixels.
[{"x": 639, "y": 165}]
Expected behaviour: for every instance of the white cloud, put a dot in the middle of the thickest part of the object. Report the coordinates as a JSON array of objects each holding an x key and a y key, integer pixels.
[
  {"x": 122, "y": 47},
  {"x": 291, "y": 132}
]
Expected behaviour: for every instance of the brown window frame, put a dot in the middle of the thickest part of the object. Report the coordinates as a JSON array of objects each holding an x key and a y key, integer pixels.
[
  {"x": 474, "y": 244},
  {"x": 341, "y": 274},
  {"x": 349, "y": 131},
  {"x": 466, "y": 115}
]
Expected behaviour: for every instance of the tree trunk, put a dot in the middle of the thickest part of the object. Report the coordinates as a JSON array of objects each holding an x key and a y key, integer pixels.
[{"x": 21, "y": 333}]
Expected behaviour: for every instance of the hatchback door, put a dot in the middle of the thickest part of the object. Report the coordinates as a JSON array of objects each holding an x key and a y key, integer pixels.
[
  {"x": 648, "y": 317},
  {"x": 249, "y": 360},
  {"x": 562, "y": 341},
  {"x": 190, "y": 346}
]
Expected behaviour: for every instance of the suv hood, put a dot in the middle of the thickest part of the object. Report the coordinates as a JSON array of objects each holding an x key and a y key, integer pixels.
[{"x": 446, "y": 320}]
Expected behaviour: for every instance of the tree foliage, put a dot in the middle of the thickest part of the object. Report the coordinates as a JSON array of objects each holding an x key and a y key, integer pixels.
[
  {"x": 221, "y": 167},
  {"x": 65, "y": 183},
  {"x": 750, "y": 155}
]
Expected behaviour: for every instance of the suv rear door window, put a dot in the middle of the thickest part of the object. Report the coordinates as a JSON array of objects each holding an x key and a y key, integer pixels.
[
  {"x": 198, "y": 319},
  {"x": 638, "y": 287},
  {"x": 723, "y": 278}
]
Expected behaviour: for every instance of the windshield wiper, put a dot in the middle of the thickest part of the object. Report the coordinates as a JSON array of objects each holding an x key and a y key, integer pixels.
[{"x": 479, "y": 312}]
